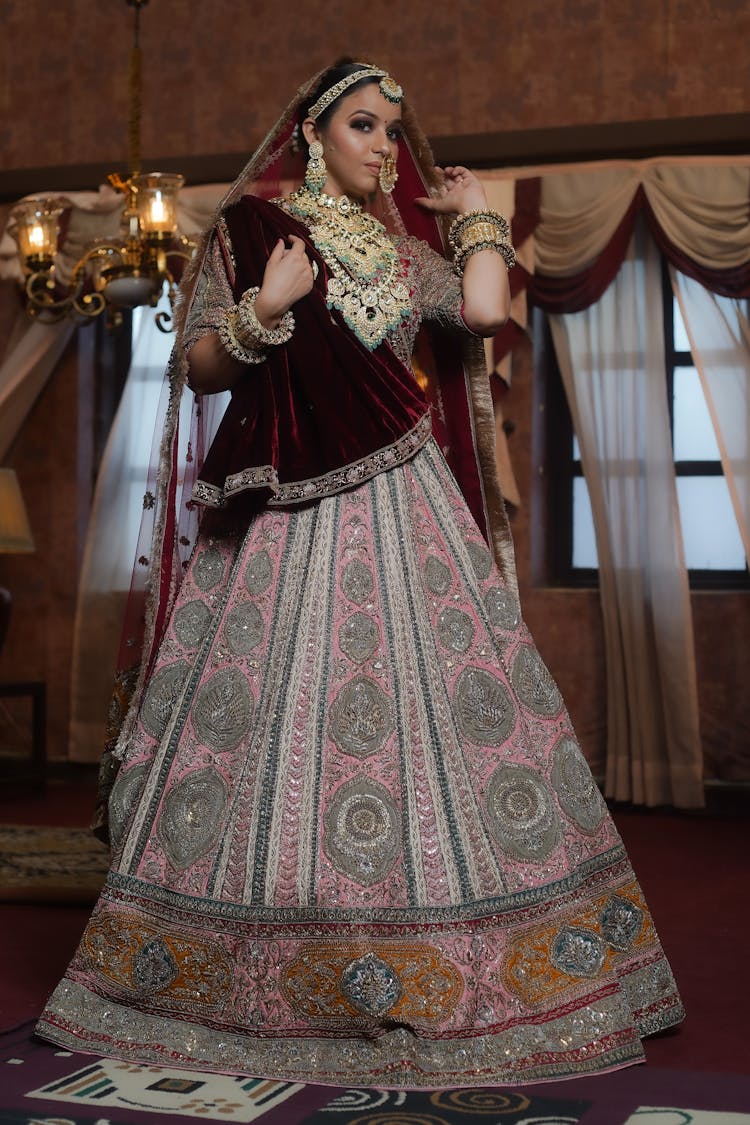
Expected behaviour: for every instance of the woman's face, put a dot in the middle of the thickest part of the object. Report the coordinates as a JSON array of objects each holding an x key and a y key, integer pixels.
[{"x": 364, "y": 128}]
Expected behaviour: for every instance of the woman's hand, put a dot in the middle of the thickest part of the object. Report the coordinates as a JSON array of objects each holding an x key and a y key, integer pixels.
[
  {"x": 287, "y": 278},
  {"x": 461, "y": 192}
]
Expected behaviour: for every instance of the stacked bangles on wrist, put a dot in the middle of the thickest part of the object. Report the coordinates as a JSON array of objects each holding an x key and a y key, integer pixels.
[
  {"x": 478, "y": 230},
  {"x": 244, "y": 337}
]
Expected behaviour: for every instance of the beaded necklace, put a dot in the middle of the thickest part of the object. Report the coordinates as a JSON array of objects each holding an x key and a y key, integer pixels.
[{"x": 363, "y": 262}]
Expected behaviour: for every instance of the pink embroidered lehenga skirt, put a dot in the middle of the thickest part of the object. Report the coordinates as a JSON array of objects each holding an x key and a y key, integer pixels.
[{"x": 355, "y": 839}]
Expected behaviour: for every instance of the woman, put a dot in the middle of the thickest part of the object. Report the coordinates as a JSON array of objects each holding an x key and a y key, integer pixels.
[{"x": 354, "y": 838}]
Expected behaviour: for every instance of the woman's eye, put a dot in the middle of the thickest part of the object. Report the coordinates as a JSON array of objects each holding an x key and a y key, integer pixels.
[
  {"x": 363, "y": 125},
  {"x": 395, "y": 135}
]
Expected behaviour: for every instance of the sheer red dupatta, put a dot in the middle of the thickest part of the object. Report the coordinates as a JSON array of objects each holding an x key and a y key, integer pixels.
[{"x": 457, "y": 389}]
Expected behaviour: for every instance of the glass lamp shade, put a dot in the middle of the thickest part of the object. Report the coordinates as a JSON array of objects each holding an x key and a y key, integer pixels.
[
  {"x": 34, "y": 225},
  {"x": 15, "y": 533},
  {"x": 157, "y": 202}
]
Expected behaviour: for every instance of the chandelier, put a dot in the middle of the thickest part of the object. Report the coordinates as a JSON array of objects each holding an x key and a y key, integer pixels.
[{"x": 117, "y": 273}]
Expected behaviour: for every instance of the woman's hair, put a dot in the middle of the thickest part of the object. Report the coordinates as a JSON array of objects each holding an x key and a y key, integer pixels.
[{"x": 342, "y": 68}]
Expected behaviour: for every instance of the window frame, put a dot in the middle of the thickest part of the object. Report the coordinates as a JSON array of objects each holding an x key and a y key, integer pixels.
[{"x": 558, "y": 468}]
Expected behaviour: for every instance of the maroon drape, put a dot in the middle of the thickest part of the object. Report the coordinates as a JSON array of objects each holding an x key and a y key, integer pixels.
[{"x": 579, "y": 291}]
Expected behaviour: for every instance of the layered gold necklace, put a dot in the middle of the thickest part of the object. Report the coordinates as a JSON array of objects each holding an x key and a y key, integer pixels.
[{"x": 364, "y": 266}]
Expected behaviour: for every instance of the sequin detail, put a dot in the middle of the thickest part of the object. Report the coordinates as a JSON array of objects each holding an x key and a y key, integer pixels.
[
  {"x": 243, "y": 628},
  {"x": 362, "y": 833},
  {"x": 361, "y": 718},
  {"x": 333, "y": 983},
  {"x": 191, "y": 817},
  {"x": 124, "y": 797},
  {"x": 208, "y": 569},
  {"x": 576, "y": 789},
  {"x": 533, "y": 683},
  {"x": 359, "y": 637},
  {"x": 522, "y": 813},
  {"x": 483, "y": 707},
  {"x": 223, "y": 710},
  {"x": 191, "y": 623},
  {"x": 437, "y": 576},
  {"x": 163, "y": 692},
  {"x": 357, "y": 582},
  {"x": 455, "y": 629}
]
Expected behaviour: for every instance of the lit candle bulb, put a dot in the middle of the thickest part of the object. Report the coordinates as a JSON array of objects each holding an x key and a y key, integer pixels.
[
  {"x": 158, "y": 212},
  {"x": 36, "y": 237}
]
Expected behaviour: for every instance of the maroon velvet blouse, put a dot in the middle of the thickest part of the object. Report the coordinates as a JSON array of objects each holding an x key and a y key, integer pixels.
[{"x": 323, "y": 413}]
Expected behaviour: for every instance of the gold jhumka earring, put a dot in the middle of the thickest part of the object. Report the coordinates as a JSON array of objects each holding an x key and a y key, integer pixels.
[
  {"x": 316, "y": 172},
  {"x": 388, "y": 174}
]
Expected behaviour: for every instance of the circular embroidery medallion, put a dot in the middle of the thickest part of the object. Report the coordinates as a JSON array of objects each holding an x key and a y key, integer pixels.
[
  {"x": 192, "y": 817},
  {"x": 522, "y": 813},
  {"x": 362, "y": 834}
]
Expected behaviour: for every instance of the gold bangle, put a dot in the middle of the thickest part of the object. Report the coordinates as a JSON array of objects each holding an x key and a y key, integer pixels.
[
  {"x": 251, "y": 329},
  {"x": 236, "y": 347}
]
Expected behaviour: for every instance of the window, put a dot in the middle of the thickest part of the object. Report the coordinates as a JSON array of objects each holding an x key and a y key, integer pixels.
[{"x": 714, "y": 552}]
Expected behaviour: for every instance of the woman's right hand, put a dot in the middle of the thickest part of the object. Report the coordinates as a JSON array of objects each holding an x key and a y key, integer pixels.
[{"x": 287, "y": 278}]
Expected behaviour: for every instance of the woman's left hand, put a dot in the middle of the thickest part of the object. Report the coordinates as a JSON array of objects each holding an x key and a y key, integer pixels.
[{"x": 461, "y": 192}]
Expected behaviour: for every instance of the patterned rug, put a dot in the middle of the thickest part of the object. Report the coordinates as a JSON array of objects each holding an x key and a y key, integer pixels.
[
  {"x": 42, "y": 1085},
  {"x": 43, "y": 865}
]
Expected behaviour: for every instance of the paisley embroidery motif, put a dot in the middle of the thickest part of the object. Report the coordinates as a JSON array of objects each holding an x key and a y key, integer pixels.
[
  {"x": 483, "y": 707},
  {"x": 223, "y": 710},
  {"x": 192, "y": 817},
  {"x": 359, "y": 637},
  {"x": 162, "y": 694},
  {"x": 533, "y": 683},
  {"x": 361, "y": 718}
]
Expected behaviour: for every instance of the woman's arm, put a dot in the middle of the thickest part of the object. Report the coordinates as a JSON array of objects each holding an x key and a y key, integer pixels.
[
  {"x": 287, "y": 278},
  {"x": 486, "y": 292}
]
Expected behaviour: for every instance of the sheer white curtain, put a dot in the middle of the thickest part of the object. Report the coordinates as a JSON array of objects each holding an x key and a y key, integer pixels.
[
  {"x": 719, "y": 335},
  {"x": 611, "y": 358}
]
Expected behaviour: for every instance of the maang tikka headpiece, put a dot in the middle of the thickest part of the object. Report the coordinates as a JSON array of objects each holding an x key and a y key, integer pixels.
[{"x": 389, "y": 88}]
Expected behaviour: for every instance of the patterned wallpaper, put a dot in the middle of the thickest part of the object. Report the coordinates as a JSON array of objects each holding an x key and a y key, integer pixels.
[{"x": 216, "y": 74}]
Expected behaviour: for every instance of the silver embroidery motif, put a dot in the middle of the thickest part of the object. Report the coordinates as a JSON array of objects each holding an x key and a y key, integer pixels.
[
  {"x": 244, "y": 628},
  {"x": 522, "y": 814},
  {"x": 357, "y": 582},
  {"x": 533, "y": 683},
  {"x": 161, "y": 697},
  {"x": 359, "y": 637},
  {"x": 153, "y": 967},
  {"x": 455, "y": 629},
  {"x": 481, "y": 560},
  {"x": 258, "y": 573},
  {"x": 437, "y": 576},
  {"x": 223, "y": 710},
  {"x": 621, "y": 921},
  {"x": 576, "y": 789},
  {"x": 124, "y": 797},
  {"x": 502, "y": 608},
  {"x": 192, "y": 817},
  {"x": 361, "y": 718},
  {"x": 191, "y": 622},
  {"x": 208, "y": 569},
  {"x": 371, "y": 985},
  {"x": 483, "y": 707},
  {"x": 578, "y": 952},
  {"x": 362, "y": 834}
]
